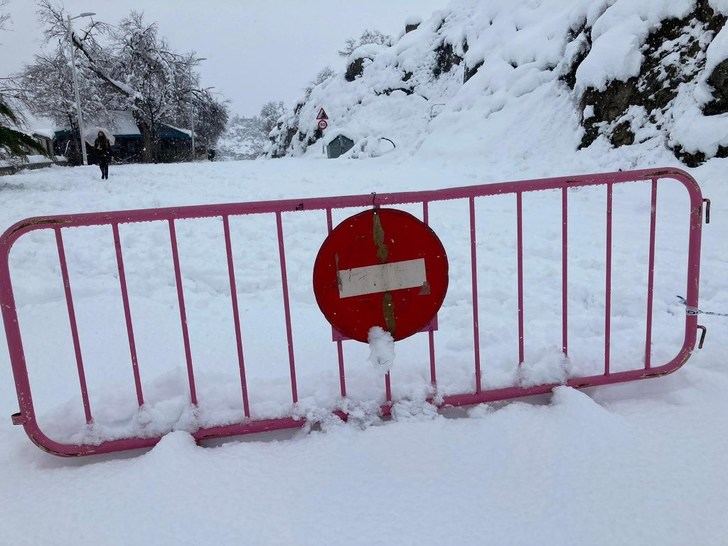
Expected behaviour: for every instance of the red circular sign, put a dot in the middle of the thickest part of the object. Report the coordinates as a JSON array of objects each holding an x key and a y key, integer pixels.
[
  {"x": 322, "y": 124},
  {"x": 381, "y": 267}
]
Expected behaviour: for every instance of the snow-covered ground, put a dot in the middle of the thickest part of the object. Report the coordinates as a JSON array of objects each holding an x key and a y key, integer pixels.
[
  {"x": 641, "y": 463},
  {"x": 632, "y": 464}
]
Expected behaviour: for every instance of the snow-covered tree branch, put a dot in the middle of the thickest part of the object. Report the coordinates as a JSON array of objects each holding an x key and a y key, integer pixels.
[{"x": 123, "y": 67}]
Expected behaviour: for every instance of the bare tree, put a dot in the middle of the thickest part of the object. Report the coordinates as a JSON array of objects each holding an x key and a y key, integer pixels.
[
  {"x": 367, "y": 37},
  {"x": 4, "y": 16},
  {"x": 269, "y": 116},
  {"x": 86, "y": 41},
  {"x": 46, "y": 88},
  {"x": 164, "y": 83},
  {"x": 211, "y": 117},
  {"x": 140, "y": 59},
  {"x": 124, "y": 67}
]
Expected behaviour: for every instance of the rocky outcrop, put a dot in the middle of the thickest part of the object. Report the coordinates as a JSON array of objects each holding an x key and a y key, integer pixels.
[
  {"x": 718, "y": 81},
  {"x": 673, "y": 54},
  {"x": 445, "y": 59},
  {"x": 471, "y": 71},
  {"x": 355, "y": 69}
]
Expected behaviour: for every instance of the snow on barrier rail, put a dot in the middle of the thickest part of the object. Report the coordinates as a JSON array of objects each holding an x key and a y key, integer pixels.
[{"x": 249, "y": 422}]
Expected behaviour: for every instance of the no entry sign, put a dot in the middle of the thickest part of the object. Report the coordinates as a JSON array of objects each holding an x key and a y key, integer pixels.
[{"x": 381, "y": 267}]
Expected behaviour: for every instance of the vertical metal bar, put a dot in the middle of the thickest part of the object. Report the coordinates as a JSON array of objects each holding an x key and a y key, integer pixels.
[
  {"x": 182, "y": 312},
  {"x": 608, "y": 284},
  {"x": 651, "y": 275},
  {"x": 342, "y": 377},
  {"x": 474, "y": 277},
  {"x": 339, "y": 343},
  {"x": 430, "y": 333},
  {"x": 388, "y": 387},
  {"x": 74, "y": 326},
  {"x": 519, "y": 244},
  {"x": 431, "y": 344},
  {"x": 236, "y": 314},
  {"x": 127, "y": 315},
  {"x": 692, "y": 288},
  {"x": 15, "y": 342},
  {"x": 286, "y": 306},
  {"x": 564, "y": 271}
]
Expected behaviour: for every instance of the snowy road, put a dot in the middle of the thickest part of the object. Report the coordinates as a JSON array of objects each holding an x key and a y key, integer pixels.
[{"x": 639, "y": 464}]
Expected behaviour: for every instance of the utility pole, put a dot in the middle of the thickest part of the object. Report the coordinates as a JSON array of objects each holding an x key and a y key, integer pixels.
[
  {"x": 192, "y": 126},
  {"x": 192, "y": 107},
  {"x": 75, "y": 84}
]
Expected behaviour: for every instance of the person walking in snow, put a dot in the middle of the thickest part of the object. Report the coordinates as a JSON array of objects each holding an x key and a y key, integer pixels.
[{"x": 103, "y": 148}]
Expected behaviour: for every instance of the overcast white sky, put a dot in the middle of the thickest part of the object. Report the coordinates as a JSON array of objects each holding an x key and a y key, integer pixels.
[{"x": 256, "y": 50}]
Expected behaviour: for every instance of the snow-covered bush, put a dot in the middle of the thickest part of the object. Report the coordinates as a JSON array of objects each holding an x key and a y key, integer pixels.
[{"x": 367, "y": 37}]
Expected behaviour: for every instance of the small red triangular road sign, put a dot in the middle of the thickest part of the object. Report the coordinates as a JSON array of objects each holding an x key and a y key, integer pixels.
[{"x": 322, "y": 114}]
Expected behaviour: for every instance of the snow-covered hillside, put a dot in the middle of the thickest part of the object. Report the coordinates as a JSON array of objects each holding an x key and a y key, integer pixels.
[
  {"x": 604, "y": 73},
  {"x": 640, "y": 463}
]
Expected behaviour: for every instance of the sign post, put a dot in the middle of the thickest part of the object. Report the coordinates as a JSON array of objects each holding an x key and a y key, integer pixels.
[
  {"x": 322, "y": 124},
  {"x": 382, "y": 267},
  {"x": 321, "y": 119}
]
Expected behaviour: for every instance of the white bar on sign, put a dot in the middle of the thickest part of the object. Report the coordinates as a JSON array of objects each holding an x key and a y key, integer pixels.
[{"x": 372, "y": 279}]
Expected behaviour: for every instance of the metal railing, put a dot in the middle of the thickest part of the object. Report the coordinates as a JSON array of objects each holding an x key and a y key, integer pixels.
[{"x": 27, "y": 415}]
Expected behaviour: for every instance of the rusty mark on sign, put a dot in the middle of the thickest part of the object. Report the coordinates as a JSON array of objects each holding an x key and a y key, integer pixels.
[
  {"x": 382, "y": 250},
  {"x": 338, "y": 277}
]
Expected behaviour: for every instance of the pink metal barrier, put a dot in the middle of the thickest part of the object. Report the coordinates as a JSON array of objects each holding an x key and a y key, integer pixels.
[{"x": 27, "y": 417}]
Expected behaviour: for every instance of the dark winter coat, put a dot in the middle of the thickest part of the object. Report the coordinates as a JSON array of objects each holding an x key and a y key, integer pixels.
[{"x": 103, "y": 147}]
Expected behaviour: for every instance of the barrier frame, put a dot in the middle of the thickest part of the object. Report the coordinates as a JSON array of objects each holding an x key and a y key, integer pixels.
[{"x": 27, "y": 417}]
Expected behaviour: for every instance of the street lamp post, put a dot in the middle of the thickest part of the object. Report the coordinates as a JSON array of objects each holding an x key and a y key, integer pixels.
[
  {"x": 75, "y": 84},
  {"x": 192, "y": 126},
  {"x": 192, "y": 107}
]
